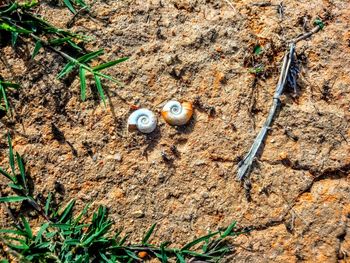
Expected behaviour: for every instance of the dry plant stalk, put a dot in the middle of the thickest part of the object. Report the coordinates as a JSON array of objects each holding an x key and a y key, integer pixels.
[{"x": 246, "y": 165}]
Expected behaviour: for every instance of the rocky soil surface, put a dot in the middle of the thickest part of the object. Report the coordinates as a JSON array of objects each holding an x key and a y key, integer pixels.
[{"x": 200, "y": 51}]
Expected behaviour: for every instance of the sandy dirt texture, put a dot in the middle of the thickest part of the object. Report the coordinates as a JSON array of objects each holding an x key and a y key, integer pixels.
[{"x": 199, "y": 51}]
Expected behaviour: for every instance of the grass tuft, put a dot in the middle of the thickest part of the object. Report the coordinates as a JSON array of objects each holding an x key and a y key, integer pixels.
[
  {"x": 65, "y": 236},
  {"x": 19, "y": 21}
]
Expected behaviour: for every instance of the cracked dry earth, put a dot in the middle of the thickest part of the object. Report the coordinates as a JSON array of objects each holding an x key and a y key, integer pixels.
[{"x": 199, "y": 51}]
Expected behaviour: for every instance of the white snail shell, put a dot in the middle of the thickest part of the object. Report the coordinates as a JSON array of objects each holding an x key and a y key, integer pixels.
[
  {"x": 176, "y": 113},
  {"x": 143, "y": 120}
]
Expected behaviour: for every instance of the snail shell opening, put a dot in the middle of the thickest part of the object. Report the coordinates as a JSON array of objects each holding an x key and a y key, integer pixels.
[
  {"x": 142, "y": 120},
  {"x": 176, "y": 113}
]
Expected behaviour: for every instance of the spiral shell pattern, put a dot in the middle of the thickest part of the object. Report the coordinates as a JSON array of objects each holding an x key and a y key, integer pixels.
[
  {"x": 143, "y": 120},
  {"x": 176, "y": 113}
]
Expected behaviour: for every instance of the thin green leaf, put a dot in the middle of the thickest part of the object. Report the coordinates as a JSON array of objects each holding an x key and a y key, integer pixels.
[
  {"x": 47, "y": 204},
  {"x": 228, "y": 231},
  {"x": 68, "y": 68},
  {"x": 148, "y": 234},
  {"x": 72, "y": 44},
  {"x": 163, "y": 254},
  {"x": 103, "y": 256},
  {"x": 257, "y": 50},
  {"x": 11, "y": 199},
  {"x": 13, "y": 28},
  {"x": 12, "y": 231},
  {"x": 14, "y": 37},
  {"x": 15, "y": 186},
  {"x": 82, "y": 77},
  {"x": 123, "y": 240},
  {"x": 67, "y": 211},
  {"x": 77, "y": 219},
  {"x": 132, "y": 255},
  {"x": 37, "y": 47},
  {"x": 70, "y": 6},
  {"x": 11, "y": 156},
  {"x": 100, "y": 89},
  {"x": 196, "y": 241},
  {"x": 10, "y": 9},
  {"x": 10, "y": 85},
  {"x": 89, "y": 56},
  {"x": 2, "y": 89},
  {"x": 24, "y": 246},
  {"x": 7, "y": 175},
  {"x": 180, "y": 257},
  {"x": 22, "y": 170},
  {"x": 109, "y": 64},
  {"x": 41, "y": 232},
  {"x": 27, "y": 227},
  {"x": 72, "y": 242},
  {"x": 109, "y": 78},
  {"x": 59, "y": 41},
  {"x": 43, "y": 245}
]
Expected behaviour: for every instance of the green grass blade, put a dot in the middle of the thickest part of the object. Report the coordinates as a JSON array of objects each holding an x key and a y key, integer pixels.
[
  {"x": 47, "y": 204},
  {"x": 103, "y": 256},
  {"x": 72, "y": 44},
  {"x": 228, "y": 231},
  {"x": 14, "y": 37},
  {"x": 109, "y": 78},
  {"x": 109, "y": 64},
  {"x": 82, "y": 77},
  {"x": 67, "y": 211},
  {"x": 68, "y": 68},
  {"x": 10, "y": 9},
  {"x": 81, "y": 3},
  {"x": 22, "y": 170},
  {"x": 4, "y": 173},
  {"x": 59, "y": 41},
  {"x": 12, "y": 231},
  {"x": 132, "y": 255},
  {"x": 77, "y": 219},
  {"x": 100, "y": 89},
  {"x": 180, "y": 258},
  {"x": 15, "y": 186},
  {"x": 11, "y": 156},
  {"x": 70, "y": 6},
  {"x": 37, "y": 47},
  {"x": 41, "y": 232},
  {"x": 11, "y": 199},
  {"x": 148, "y": 234},
  {"x": 27, "y": 227},
  {"x": 199, "y": 240},
  {"x": 163, "y": 254},
  {"x": 10, "y": 85},
  {"x": 89, "y": 56},
  {"x": 3, "y": 92}
]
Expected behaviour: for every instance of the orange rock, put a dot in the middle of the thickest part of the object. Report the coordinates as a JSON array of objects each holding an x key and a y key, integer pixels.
[{"x": 142, "y": 254}]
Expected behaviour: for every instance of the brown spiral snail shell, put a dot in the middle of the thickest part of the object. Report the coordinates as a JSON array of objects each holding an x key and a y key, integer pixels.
[{"x": 176, "y": 113}]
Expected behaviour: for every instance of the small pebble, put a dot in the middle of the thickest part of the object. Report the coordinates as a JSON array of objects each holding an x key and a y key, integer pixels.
[
  {"x": 199, "y": 162},
  {"x": 205, "y": 195},
  {"x": 138, "y": 214},
  {"x": 118, "y": 157}
]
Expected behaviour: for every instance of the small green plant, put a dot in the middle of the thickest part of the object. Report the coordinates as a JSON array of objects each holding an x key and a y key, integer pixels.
[
  {"x": 72, "y": 4},
  {"x": 257, "y": 69},
  {"x": 4, "y": 86},
  {"x": 319, "y": 22},
  {"x": 19, "y": 20},
  {"x": 257, "y": 50},
  {"x": 66, "y": 237}
]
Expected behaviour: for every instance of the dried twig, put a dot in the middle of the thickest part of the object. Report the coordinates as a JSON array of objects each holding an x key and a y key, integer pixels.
[
  {"x": 245, "y": 166},
  {"x": 306, "y": 35},
  {"x": 231, "y": 5}
]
